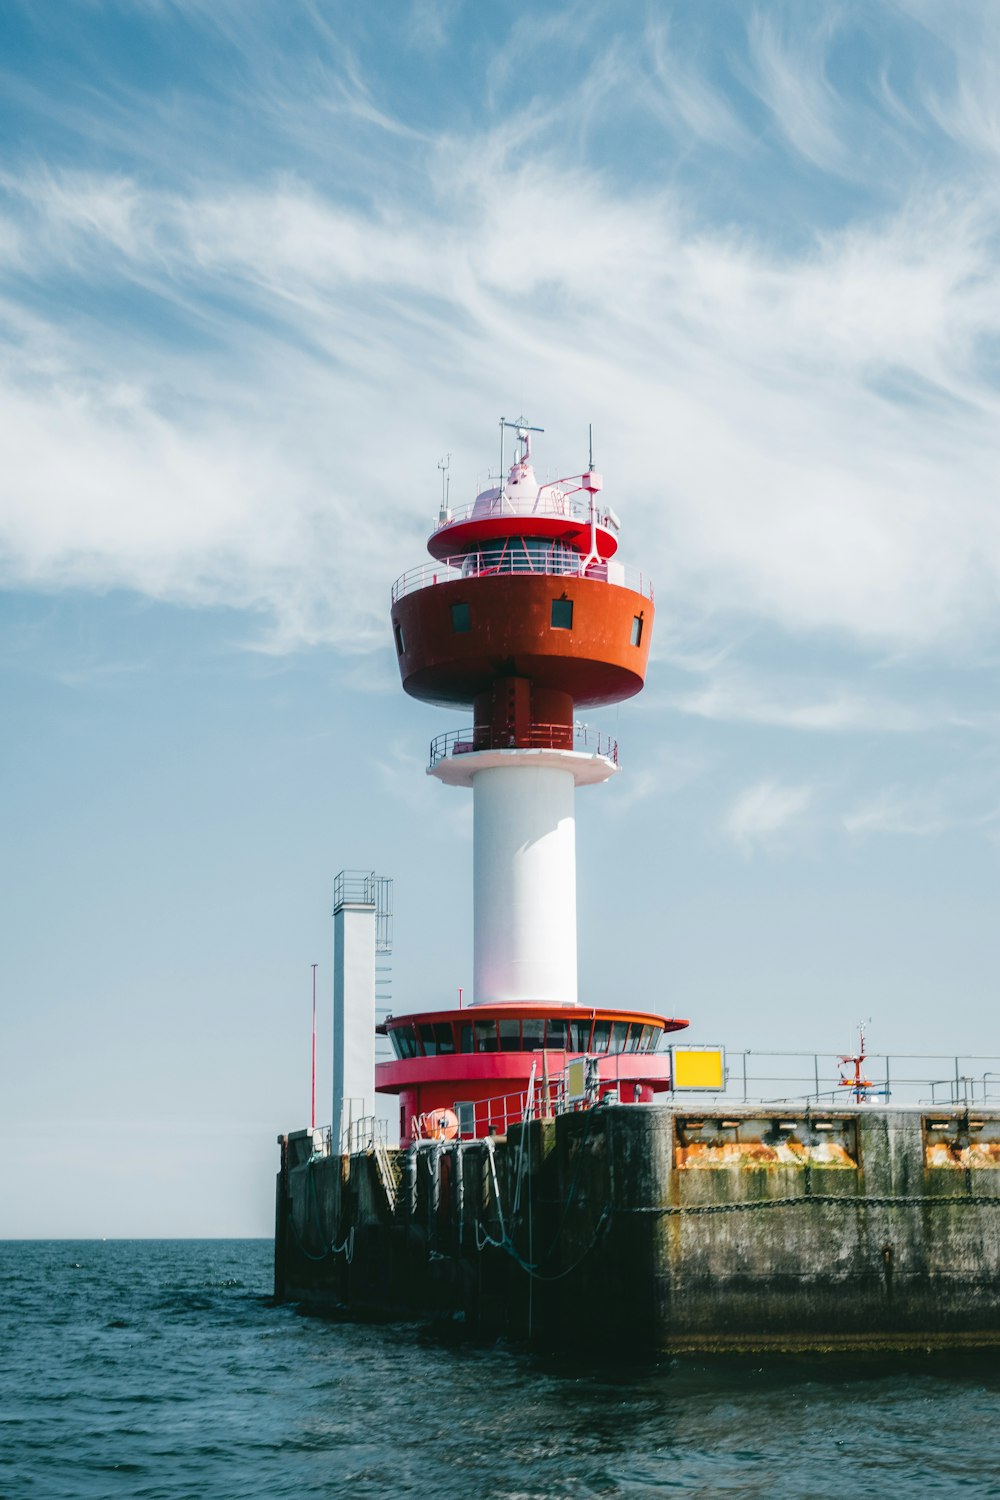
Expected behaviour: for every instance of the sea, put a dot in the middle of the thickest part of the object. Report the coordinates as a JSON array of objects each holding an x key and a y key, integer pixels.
[{"x": 160, "y": 1370}]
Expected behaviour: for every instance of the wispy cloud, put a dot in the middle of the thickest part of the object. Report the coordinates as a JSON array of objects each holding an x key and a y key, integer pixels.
[
  {"x": 670, "y": 769},
  {"x": 926, "y": 813},
  {"x": 684, "y": 97},
  {"x": 760, "y": 816},
  {"x": 442, "y": 811},
  {"x": 789, "y": 75},
  {"x": 232, "y": 387},
  {"x": 892, "y": 812},
  {"x": 837, "y": 709}
]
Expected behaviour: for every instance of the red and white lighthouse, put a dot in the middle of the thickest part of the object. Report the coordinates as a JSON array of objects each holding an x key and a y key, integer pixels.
[{"x": 525, "y": 616}]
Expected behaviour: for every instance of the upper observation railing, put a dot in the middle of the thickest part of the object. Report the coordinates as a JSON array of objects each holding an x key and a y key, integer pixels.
[
  {"x": 550, "y": 501},
  {"x": 578, "y": 737},
  {"x": 562, "y": 563}
]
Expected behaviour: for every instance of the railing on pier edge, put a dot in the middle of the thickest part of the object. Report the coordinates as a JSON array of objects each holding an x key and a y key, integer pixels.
[
  {"x": 927, "y": 1078},
  {"x": 495, "y": 1116},
  {"x": 486, "y": 563},
  {"x": 578, "y": 737},
  {"x": 769, "y": 1079}
]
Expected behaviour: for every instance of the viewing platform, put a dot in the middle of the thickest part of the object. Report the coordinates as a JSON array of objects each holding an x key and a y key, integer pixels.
[
  {"x": 507, "y": 559},
  {"x": 471, "y": 741},
  {"x": 589, "y": 756}
]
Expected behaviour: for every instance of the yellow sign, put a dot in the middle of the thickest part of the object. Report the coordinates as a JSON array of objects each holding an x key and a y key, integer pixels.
[
  {"x": 576, "y": 1079},
  {"x": 699, "y": 1068}
]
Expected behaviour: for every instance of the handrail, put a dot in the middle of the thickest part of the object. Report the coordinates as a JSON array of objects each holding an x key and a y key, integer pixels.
[
  {"x": 784, "y": 1077},
  {"x": 578, "y": 737},
  {"x": 819, "y": 1087},
  {"x": 550, "y": 501},
  {"x": 367, "y": 1133},
  {"x": 560, "y": 563}
]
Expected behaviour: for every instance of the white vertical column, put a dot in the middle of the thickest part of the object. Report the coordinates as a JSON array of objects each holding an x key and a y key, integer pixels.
[
  {"x": 353, "y": 1016},
  {"x": 524, "y": 883}
]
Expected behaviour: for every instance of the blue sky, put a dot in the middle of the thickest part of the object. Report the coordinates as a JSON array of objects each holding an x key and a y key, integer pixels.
[{"x": 261, "y": 266}]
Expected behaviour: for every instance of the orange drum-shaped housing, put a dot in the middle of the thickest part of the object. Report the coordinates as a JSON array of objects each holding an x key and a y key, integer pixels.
[{"x": 583, "y": 636}]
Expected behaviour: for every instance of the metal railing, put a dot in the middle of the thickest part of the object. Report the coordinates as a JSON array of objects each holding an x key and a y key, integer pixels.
[
  {"x": 825, "y": 1077},
  {"x": 495, "y": 1115},
  {"x": 366, "y": 1133},
  {"x": 579, "y": 737},
  {"x": 787, "y": 1079},
  {"x": 810, "y": 1078},
  {"x": 365, "y": 888},
  {"x": 488, "y": 563},
  {"x": 550, "y": 501}
]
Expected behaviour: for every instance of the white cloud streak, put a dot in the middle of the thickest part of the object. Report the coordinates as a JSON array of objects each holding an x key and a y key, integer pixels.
[
  {"x": 788, "y": 73},
  {"x": 803, "y": 435},
  {"x": 760, "y": 816},
  {"x": 838, "y": 709},
  {"x": 929, "y": 811}
]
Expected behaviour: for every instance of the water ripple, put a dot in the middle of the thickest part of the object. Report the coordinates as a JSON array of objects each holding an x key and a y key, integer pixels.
[{"x": 160, "y": 1371}]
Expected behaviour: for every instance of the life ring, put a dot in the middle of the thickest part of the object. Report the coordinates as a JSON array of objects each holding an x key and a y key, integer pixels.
[{"x": 439, "y": 1125}]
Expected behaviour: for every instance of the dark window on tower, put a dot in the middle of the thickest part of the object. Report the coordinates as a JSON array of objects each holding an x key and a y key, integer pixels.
[
  {"x": 398, "y": 632},
  {"x": 460, "y": 621},
  {"x": 602, "y": 1036},
  {"x": 404, "y": 1041},
  {"x": 445, "y": 1037},
  {"x": 555, "y": 1035},
  {"x": 486, "y": 1036},
  {"x": 579, "y": 1036},
  {"x": 562, "y": 614},
  {"x": 636, "y": 629},
  {"x": 510, "y": 1036},
  {"x": 532, "y": 1033},
  {"x": 429, "y": 1040}
]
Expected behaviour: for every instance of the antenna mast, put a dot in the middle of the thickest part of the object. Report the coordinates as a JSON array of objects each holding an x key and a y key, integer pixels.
[
  {"x": 522, "y": 429},
  {"x": 312, "y": 1112},
  {"x": 445, "y": 467}
]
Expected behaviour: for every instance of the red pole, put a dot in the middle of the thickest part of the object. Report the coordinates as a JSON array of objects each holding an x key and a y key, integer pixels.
[{"x": 312, "y": 1116}]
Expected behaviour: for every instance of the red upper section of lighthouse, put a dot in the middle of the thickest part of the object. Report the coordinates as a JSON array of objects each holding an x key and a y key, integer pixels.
[
  {"x": 525, "y": 588},
  {"x": 559, "y": 512}
]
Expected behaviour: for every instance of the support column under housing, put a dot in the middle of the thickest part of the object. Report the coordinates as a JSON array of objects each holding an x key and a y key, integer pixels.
[{"x": 524, "y": 883}]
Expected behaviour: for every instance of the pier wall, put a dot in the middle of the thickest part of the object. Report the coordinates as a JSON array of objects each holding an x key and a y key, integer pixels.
[{"x": 638, "y": 1227}]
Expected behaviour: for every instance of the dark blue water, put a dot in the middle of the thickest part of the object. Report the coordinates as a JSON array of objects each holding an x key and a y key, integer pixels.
[{"x": 158, "y": 1370}]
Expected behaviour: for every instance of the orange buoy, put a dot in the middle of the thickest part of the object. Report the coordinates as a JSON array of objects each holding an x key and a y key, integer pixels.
[{"x": 439, "y": 1125}]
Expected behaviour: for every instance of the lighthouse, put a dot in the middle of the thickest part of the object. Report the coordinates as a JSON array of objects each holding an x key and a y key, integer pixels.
[{"x": 524, "y": 617}]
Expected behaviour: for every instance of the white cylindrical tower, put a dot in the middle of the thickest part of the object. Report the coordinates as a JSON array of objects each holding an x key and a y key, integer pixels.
[
  {"x": 524, "y": 864},
  {"x": 524, "y": 883}
]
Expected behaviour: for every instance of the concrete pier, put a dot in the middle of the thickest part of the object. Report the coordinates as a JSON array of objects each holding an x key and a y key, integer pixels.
[{"x": 644, "y": 1227}]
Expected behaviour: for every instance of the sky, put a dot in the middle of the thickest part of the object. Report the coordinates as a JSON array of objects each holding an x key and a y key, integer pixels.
[{"x": 262, "y": 267}]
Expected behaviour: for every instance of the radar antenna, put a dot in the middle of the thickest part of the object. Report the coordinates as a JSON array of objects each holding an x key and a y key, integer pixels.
[{"x": 522, "y": 429}]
